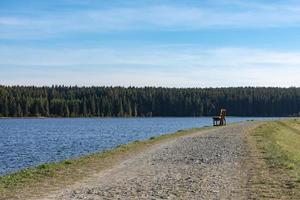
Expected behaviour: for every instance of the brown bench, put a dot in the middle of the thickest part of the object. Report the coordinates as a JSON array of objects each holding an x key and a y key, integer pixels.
[{"x": 220, "y": 120}]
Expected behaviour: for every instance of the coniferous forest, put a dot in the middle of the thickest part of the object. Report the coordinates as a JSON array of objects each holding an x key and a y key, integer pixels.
[{"x": 62, "y": 101}]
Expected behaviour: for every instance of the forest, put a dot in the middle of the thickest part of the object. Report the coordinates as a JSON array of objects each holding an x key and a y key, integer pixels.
[{"x": 64, "y": 101}]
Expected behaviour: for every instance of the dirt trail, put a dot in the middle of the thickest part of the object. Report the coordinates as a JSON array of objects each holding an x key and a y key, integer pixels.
[{"x": 206, "y": 165}]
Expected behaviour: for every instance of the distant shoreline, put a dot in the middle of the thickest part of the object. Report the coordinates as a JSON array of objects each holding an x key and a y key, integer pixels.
[
  {"x": 62, "y": 101},
  {"x": 143, "y": 117}
]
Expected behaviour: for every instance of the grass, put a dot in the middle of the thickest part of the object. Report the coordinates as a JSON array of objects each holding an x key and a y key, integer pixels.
[
  {"x": 279, "y": 141},
  {"x": 48, "y": 177}
]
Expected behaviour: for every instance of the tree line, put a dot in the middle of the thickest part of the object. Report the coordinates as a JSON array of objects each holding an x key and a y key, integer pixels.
[{"x": 63, "y": 101}]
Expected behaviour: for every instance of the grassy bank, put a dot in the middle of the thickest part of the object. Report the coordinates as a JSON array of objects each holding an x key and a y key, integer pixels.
[
  {"x": 48, "y": 177},
  {"x": 279, "y": 145}
]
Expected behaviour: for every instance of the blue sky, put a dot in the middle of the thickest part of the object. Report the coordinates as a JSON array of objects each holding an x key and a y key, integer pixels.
[{"x": 150, "y": 43}]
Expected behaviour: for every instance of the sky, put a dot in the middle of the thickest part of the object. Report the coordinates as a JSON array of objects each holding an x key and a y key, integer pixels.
[{"x": 168, "y": 43}]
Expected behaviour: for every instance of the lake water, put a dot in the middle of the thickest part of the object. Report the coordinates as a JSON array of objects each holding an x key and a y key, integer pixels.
[{"x": 30, "y": 142}]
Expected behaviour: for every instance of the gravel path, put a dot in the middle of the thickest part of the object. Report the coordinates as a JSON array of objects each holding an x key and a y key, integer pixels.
[{"x": 205, "y": 165}]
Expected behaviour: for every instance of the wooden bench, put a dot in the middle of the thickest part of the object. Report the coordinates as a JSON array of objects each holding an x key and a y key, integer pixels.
[{"x": 220, "y": 120}]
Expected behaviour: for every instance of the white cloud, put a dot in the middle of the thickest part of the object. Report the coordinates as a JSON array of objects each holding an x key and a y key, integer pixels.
[
  {"x": 173, "y": 56},
  {"x": 10, "y": 21},
  {"x": 158, "y": 66}
]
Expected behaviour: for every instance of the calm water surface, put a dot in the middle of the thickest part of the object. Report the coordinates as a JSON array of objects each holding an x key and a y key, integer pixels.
[{"x": 30, "y": 142}]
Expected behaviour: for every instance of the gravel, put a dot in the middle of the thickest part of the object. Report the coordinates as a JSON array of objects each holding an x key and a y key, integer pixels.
[{"x": 206, "y": 165}]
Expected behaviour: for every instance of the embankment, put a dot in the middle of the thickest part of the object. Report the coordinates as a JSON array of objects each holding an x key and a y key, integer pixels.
[{"x": 248, "y": 160}]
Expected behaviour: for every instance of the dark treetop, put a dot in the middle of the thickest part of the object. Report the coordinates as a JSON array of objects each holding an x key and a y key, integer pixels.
[{"x": 62, "y": 101}]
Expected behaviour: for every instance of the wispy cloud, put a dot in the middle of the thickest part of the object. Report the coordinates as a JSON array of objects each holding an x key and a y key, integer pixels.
[
  {"x": 44, "y": 63},
  {"x": 181, "y": 56},
  {"x": 10, "y": 21},
  {"x": 181, "y": 67},
  {"x": 236, "y": 14}
]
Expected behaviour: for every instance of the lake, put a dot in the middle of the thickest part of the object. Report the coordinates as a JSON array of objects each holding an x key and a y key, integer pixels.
[{"x": 30, "y": 142}]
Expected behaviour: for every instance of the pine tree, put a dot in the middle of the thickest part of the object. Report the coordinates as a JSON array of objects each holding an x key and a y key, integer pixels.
[
  {"x": 19, "y": 111},
  {"x": 135, "y": 110},
  {"x": 93, "y": 105},
  {"x": 84, "y": 108},
  {"x": 66, "y": 112},
  {"x": 5, "y": 107},
  {"x": 46, "y": 108},
  {"x": 121, "y": 110},
  {"x": 129, "y": 110}
]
